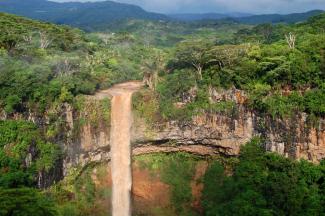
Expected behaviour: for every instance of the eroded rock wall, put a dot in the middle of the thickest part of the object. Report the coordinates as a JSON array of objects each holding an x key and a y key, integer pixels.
[
  {"x": 296, "y": 137},
  {"x": 207, "y": 134},
  {"x": 84, "y": 133}
]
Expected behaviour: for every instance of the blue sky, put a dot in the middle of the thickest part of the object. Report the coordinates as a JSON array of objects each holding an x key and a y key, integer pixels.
[{"x": 203, "y": 6}]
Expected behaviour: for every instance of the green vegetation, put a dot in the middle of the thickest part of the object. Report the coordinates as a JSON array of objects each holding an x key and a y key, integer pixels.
[
  {"x": 166, "y": 34},
  {"x": 278, "y": 18},
  {"x": 146, "y": 106},
  {"x": 283, "y": 75},
  {"x": 264, "y": 184},
  {"x": 46, "y": 69},
  {"x": 176, "y": 170},
  {"x": 24, "y": 157},
  {"x": 100, "y": 16},
  {"x": 44, "y": 65},
  {"x": 23, "y": 154},
  {"x": 25, "y": 202},
  {"x": 97, "y": 113},
  {"x": 79, "y": 195},
  {"x": 89, "y": 16},
  {"x": 71, "y": 63}
]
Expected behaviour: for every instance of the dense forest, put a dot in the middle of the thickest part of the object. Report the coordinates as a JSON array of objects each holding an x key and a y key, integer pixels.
[{"x": 280, "y": 67}]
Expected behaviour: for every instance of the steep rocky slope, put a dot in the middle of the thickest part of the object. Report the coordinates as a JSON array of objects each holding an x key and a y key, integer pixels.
[
  {"x": 84, "y": 133},
  {"x": 206, "y": 134}
]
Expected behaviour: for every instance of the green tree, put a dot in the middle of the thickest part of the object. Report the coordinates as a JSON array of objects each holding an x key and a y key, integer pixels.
[
  {"x": 25, "y": 202},
  {"x": 193, "y": 54},
  {"x": 264, "y": 184}
]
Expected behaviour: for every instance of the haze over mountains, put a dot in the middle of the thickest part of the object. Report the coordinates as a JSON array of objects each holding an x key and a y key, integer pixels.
[
  {"x": 96, "y": 15},
  {"x": 76, "y": 13},
  {"x": 249, "y": 18},
  {"x": 207, "y": 16},
  {"x": 279, "y": 18}
]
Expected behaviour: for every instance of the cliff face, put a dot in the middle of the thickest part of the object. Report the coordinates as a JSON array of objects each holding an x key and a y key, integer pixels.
[
  {"x": 296, "y": 138},
  {"x": 219, "y": 134},
  {"x": 84, "y": 133},
  {"x": 206, "y": 134}
]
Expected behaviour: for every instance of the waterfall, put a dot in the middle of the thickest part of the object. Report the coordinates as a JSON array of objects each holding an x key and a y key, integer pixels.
[{"x": 121, "y": 122}]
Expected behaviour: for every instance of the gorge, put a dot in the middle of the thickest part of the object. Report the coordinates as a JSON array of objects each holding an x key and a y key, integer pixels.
[
  {"x": 228, "y": 114},
  {"x": 205, "y": 136}
]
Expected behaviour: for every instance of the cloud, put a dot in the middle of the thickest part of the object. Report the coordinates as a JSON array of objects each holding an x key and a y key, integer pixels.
[{"x": 248, "y": 6}]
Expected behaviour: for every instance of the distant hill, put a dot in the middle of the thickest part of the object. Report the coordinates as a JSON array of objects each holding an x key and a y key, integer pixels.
[
  {"x": 278, "y": 18},
  {"x": 92, "y": 16},
  {"x": 205, "y": 16},
  {"x": 88, "y": 15},
  {"x": 247, "y": 18},
  {"x": 196, "y": 17}
]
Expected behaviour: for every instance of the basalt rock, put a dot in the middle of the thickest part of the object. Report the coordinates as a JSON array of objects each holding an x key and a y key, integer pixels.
[
  {"x": 224, "y": 133},
  {"x": 84, "y": 134},
  {"x": 211, "y": 134}
]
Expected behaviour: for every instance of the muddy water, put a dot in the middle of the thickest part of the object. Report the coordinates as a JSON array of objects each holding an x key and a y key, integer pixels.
[{"x": 121, "y": 122}]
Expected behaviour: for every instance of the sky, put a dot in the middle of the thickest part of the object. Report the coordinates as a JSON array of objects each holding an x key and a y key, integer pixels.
[{"x": 224, "y": 6}]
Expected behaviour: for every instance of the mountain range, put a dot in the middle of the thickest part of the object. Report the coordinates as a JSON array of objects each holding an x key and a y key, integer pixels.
[
  {"x": 278, "y": 18},
  {"x": 97, "y": 15},
  {"x": 206, "y": 16},
  {"x": 84, "y": 15}
]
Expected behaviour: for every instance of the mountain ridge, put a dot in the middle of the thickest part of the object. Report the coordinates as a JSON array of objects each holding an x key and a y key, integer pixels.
[
  {"x": 94, "y": 16},
  {"x": 247, "y": 18},
  {"x": 85, "y": 15},
  {"x": 204, "y": 16},
  {"x": 278, "y": 18}
]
